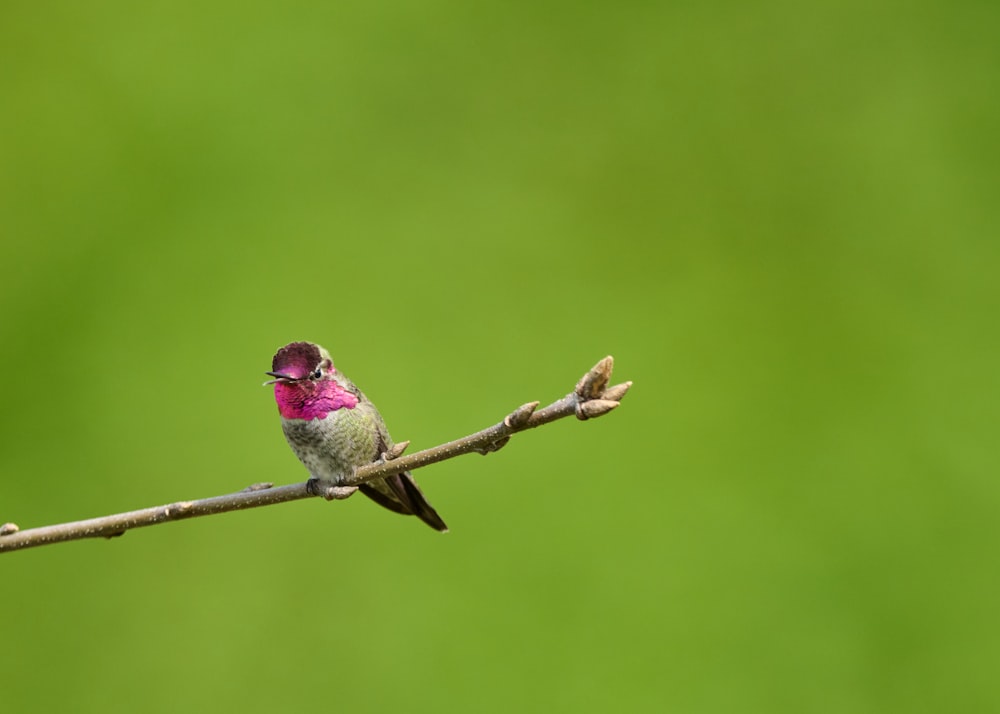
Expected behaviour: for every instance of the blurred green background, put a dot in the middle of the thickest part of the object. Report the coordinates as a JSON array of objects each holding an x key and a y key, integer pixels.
[{"x": 780, "y": 218}]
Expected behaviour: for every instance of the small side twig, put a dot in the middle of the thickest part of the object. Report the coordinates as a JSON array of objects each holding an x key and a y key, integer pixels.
[{"x": 591, "y": 398}]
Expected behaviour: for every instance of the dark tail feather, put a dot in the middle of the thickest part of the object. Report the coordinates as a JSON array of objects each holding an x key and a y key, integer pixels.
[
  {"x": 421, "y": 509},
  {"x": 405, "y": 498}
]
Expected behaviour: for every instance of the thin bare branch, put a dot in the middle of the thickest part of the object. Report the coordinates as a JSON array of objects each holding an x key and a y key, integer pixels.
[{"x": 591, "y": 398}]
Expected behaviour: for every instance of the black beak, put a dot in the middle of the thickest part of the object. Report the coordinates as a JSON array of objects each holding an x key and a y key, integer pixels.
[{"x": 278, "y": 377}]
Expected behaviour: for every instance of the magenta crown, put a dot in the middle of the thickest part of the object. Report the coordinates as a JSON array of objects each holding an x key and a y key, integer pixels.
[{"x": 296, "y": 360}]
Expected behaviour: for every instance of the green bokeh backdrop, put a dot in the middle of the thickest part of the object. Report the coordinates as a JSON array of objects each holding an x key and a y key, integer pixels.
[{"x": 780, "y": 218}]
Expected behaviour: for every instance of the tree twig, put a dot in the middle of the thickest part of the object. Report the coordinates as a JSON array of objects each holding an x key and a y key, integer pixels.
[{"x": 591, "y": 398}]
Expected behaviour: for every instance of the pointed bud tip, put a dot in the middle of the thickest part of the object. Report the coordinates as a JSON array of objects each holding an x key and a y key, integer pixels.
[
  {"x": 396, "y": 451},
  {"x": 593, "y": 382},
  {"x": 595, "y": 408},
  {"x": 616, "y": 392},
  {"x": 519, "y": 417}
]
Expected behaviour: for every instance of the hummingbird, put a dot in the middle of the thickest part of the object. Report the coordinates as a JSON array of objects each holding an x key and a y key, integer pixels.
[{"x": 334, "y": 428}]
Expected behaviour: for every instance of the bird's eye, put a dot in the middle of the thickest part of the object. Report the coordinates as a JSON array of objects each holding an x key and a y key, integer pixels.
[{"x": 317, "y": 374}]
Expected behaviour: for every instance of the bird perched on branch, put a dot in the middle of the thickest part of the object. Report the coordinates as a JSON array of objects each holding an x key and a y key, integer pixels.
[{"x": 333, "y": 428}]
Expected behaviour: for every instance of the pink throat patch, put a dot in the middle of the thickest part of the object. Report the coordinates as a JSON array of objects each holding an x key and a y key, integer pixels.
[{"x": 312, "y": 400}]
